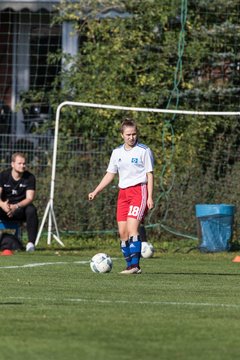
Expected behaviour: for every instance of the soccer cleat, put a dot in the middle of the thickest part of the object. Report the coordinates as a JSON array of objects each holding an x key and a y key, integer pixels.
[
  {"x": 30, "y": 247},
  {"x": 131, "y": 270}
]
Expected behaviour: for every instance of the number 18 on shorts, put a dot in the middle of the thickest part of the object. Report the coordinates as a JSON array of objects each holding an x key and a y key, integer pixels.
[{"x": 132, "y": 202}]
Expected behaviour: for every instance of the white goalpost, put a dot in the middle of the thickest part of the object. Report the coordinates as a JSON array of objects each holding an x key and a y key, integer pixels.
[{"x": 49, "y": 211}]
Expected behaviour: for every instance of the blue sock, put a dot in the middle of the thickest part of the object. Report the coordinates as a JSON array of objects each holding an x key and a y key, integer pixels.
[
  {"x": 135, "y": 250},
  {"x": 126, "y": 252}
]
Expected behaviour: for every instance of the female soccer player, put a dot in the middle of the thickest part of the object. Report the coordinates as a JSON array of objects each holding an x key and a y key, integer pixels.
[{"x": 134, "y": 164}]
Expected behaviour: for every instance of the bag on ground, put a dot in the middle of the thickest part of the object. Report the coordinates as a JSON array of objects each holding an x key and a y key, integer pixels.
[{"x": 10, "y": 242}]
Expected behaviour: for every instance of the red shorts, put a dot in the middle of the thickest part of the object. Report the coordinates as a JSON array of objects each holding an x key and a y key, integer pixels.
[{"x": 132, "y": 202}]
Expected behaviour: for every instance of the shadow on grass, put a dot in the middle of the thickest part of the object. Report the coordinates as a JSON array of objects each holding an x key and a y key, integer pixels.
[{"x": 11, "y": 303}]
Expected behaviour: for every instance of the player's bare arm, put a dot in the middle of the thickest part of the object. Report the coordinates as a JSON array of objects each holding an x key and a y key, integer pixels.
[
  {"x": 150, "y": 184},
  {"x": 104, "y": 182},
  {"x": 30, "y": 195}
]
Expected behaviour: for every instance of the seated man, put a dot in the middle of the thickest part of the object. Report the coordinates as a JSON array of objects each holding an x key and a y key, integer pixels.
[{"x": 17, "y": 192}]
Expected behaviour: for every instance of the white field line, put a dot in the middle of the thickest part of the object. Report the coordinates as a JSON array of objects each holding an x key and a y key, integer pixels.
[
  {"x": 47, "y": 263},
  {"x": 140, "y": 302},
  {"x": 43, "y": 264},
  {"x": 171, "y": 303},
  {"x": 84, "y": 300}
]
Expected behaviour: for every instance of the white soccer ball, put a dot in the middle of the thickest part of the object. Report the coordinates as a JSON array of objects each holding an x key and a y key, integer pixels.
[
  {"x": 101, "y": 263},
  {"x": 147, "y": 250}
]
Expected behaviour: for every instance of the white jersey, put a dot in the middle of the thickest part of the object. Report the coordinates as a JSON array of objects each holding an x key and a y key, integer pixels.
[{"x": 131, "y": 165}]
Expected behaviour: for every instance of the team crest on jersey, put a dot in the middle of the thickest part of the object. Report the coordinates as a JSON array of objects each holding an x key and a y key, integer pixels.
[{"x": 134, "y": 160}]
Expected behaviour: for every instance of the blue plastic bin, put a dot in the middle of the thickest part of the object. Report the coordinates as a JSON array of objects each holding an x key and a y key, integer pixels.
[{"x": 215, "y": 226}]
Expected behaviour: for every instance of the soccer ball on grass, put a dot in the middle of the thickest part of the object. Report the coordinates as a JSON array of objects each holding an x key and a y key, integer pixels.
[
  {"x": 147, "y": 250},
  {"x": 101, "y": 263}
]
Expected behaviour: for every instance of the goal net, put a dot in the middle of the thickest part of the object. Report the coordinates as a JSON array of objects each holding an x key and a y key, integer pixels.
[
  {"x": 172, "y": 55},
  {"x": 186, "y": 175}
]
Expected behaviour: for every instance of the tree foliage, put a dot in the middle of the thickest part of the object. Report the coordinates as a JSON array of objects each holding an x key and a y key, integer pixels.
[{"x": 153, "y": 57}]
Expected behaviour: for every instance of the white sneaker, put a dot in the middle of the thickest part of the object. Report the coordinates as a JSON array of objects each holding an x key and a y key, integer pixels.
[
  {"x": 128, "y": 271},
  {"x": 30, "y": 247}
]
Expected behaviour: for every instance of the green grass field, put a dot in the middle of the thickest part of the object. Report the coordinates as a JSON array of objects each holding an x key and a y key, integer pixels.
[{"x": 183, "y": 306}]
